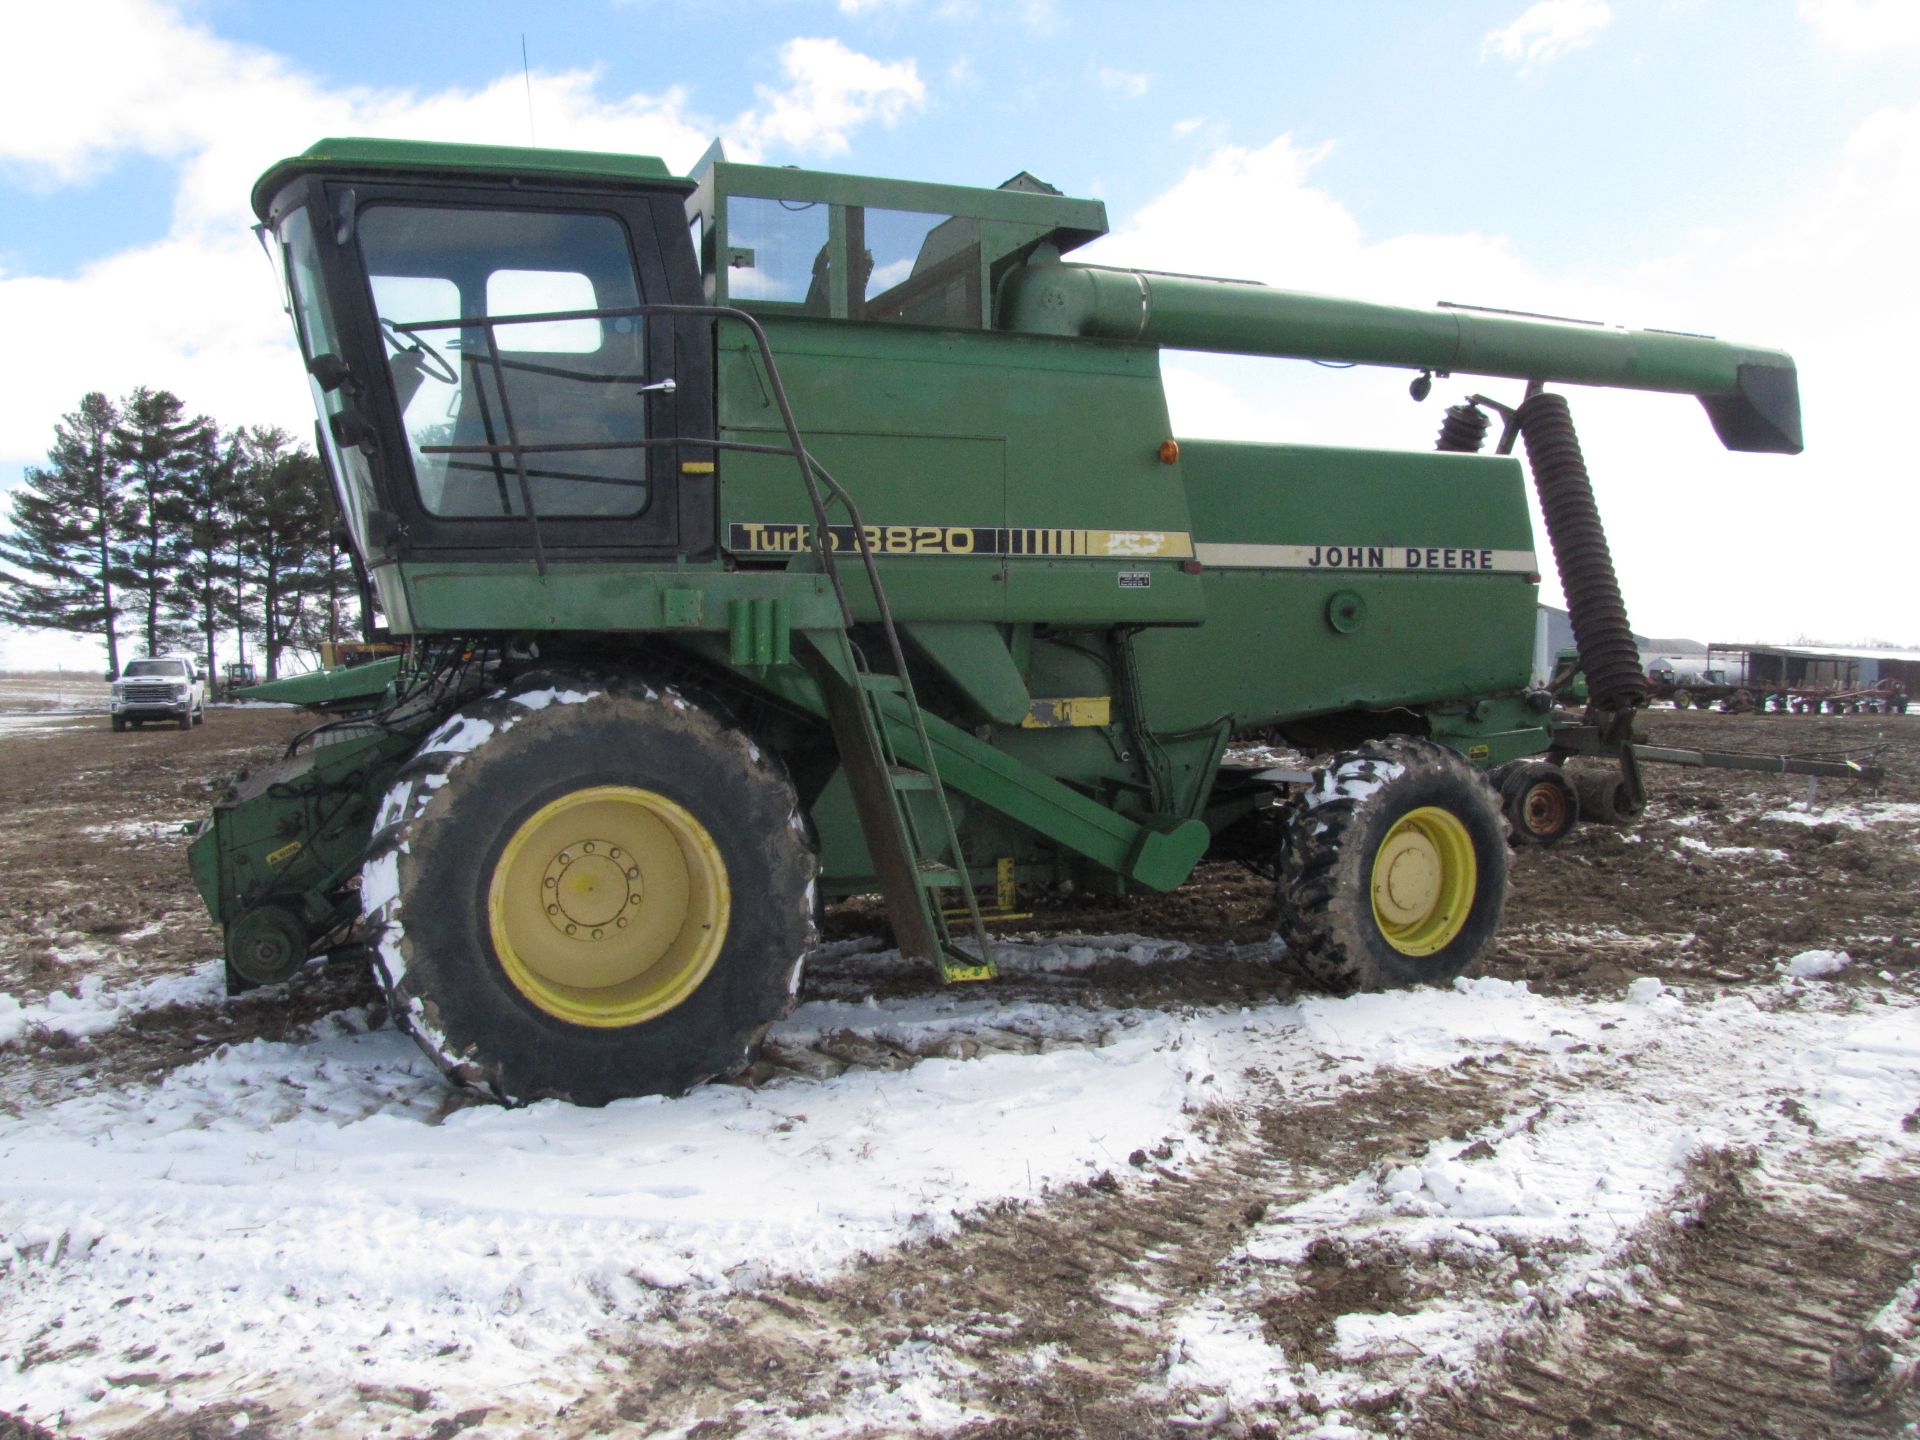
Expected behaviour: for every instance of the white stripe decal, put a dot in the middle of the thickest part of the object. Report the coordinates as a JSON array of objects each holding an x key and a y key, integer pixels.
[{"x": 1445, "y": 559}]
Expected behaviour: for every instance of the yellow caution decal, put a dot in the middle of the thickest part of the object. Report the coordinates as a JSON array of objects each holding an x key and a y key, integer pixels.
[{"x": 1078, "y": 710}]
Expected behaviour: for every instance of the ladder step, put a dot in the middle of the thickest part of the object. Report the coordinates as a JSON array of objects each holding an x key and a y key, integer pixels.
[
  {"x": 935, "y": 876},
  {"x": 957, "y": 965},
  {"x": 905, "y": 777},
  {"x": 874, "y": 680}
]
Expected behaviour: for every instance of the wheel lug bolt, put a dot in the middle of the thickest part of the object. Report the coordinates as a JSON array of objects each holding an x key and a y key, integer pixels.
[
  {"x": 570, "y": 929},
  {"x": 553, "y": 909},
  {"x": 621, "y": 922},
  {"x": 633, "y": 872},
  {"x": 588, "y": 847},
  {"x": 598, "y": 933},
  {"x": 551, "y": 882}
]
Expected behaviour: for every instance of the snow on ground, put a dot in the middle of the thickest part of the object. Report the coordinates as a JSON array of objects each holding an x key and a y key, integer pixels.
[
  {"x": 1016, "y": 954},
  {"x": 84, "y": 695},
  {"x": 1812, "y": 964},
  {"x": 314, "y": 1206},
  {"x": 179, "y": 829},
  {"x": 1572, "y": 1182},
  {"x": 1857, "y": 816},
  {"x": 322, "y": 1209},
  {"x": 47, "y": 723},
  {"x": 1689, "y": 842},
  {"x": 92, "y": 1008}
]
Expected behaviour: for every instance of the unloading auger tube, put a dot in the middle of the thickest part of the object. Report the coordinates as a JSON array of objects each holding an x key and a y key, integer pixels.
[{"x": 1752, "y": 395}]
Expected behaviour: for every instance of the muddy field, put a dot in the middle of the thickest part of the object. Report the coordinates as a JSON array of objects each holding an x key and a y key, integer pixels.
[{"x": 1198, "y": 1282}]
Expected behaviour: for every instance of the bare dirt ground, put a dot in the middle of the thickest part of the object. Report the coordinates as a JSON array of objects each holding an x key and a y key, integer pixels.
[{"x": 1749, "y": 1322}]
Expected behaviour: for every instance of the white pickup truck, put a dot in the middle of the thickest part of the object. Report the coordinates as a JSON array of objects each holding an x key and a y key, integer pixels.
[{"x": 159, "y": 687}]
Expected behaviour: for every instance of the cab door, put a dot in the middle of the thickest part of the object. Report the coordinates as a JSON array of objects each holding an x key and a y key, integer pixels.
[{"x": 532, "y": 399}]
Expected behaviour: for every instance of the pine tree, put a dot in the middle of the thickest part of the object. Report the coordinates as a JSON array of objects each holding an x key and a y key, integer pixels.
[
  {"x": 157, "y": 446},
  {"x": 313, "y": 563},
  {"x": 200, "y": 523},
  {"x": 63, "y": 570},
  {"x": 284, "y": 522}
]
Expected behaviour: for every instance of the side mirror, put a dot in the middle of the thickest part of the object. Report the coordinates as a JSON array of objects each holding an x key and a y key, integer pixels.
[
  {"x": 330, "y": 370},
  {"x": 351, "y": 428},
  {"x": 111, "y": 676}
]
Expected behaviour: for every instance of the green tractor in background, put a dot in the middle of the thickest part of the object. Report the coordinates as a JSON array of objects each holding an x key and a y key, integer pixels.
[{"x": 770, "y": 536}]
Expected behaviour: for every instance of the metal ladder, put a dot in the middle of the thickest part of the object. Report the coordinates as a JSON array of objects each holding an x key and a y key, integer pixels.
[
  {"x": 863, "y": 705},
  {"x": 932, "y": 867}
]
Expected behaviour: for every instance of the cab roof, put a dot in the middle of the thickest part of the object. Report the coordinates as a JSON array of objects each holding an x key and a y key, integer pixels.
[
  {"x": 1033, "y": 206},
  {"x": 416, "y": 156}
]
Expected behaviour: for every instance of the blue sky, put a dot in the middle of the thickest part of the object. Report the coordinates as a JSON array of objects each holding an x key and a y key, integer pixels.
[
  {"x": 1690, "y": 108},
  {"x": 1743, "y": 168}
]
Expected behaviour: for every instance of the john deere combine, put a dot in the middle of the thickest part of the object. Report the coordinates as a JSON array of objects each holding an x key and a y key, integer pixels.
[{"x": 770, "y": 536}]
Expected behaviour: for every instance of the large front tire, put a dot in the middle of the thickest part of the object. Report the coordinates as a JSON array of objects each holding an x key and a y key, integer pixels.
[
  {"x": 1395, "y": 870},
  {"x": 584, "y": 893}
]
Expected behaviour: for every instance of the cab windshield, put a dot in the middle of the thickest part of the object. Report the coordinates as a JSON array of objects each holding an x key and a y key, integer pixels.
[{"x": 155, "y": 669}]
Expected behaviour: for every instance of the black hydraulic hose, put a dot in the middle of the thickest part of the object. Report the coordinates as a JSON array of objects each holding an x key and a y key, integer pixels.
[{"x": 1608, "y": 655}]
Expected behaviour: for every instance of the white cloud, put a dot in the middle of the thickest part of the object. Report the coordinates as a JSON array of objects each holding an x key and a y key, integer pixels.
[
  {"x": 91, "y": 80},
  {"x": 197, "y": 311},
  {"x": 1127, "y": 84},
  {"x": 1548, "y": 30},
  {"x": 1863, "y": 28},
  {"x": 830, "y": 92},
  {"x": 1708, "y": 543}
]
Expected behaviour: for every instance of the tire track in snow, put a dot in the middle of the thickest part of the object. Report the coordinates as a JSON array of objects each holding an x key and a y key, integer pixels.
[
  {"x": 1425, "y": 1279},
  {"x": 1787, "y": 1313},
  {"x": 1078, "y": 1314},
  {"x": 1038, "y": 1315}
]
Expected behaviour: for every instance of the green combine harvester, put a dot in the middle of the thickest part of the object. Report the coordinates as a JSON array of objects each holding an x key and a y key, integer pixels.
[{"x": 771, "y": 536}]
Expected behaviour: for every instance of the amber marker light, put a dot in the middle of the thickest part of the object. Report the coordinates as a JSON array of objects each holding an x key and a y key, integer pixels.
[{"x": 1169, "y": 452}]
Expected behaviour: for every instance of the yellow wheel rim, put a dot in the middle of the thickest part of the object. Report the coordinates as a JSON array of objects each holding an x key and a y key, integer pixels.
[
  {"x": 1424, "y": 880},
  {"x": 608, "y": 906}
]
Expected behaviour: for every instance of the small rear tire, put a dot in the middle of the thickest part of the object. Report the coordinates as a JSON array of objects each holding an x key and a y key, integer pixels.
[
  {"x": 1395, "y": 869},
  {"x": 584, "y": 890},
  {"x": 1604, "y": 797},
  {"x": 1538, "y": 800},
  {"x": 119, "y": 723}
]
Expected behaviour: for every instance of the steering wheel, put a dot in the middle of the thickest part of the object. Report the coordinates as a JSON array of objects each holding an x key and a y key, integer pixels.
[{"x": 430, "y": 360}]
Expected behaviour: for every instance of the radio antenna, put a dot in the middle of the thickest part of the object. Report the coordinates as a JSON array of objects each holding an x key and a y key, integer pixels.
[{"x": 526, "y": 74}]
